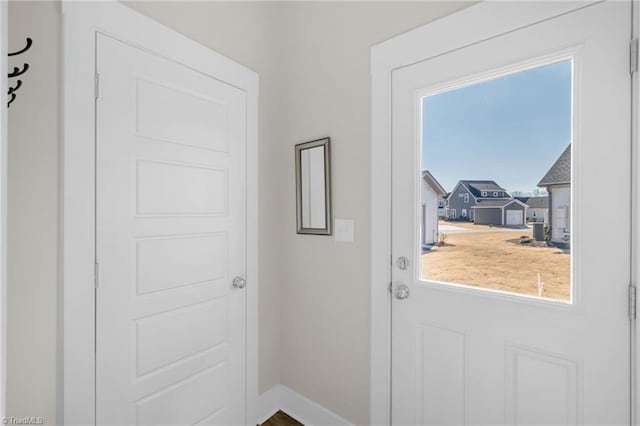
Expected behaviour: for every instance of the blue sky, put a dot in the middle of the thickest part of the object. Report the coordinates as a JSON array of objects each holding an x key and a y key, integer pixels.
[{"x": 511, "y": 129}]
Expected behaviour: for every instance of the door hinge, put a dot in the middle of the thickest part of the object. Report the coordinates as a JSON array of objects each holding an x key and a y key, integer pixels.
[
  {"x": 632, "y": 302},
  {"x": 633, "y": 56},
  {"x": 97, "y": 85},
  {"x": 390, "y": 287},
  {"x": 96, "y": 275}
]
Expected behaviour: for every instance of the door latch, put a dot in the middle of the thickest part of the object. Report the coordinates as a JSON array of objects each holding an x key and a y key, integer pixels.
[{"x": 402, "y": 292}]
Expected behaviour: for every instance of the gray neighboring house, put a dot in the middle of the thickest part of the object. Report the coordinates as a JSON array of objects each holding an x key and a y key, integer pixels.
[
  {"x": 510, "y": 212},
  {"x": 484, "y": 202},
  {"x": 538, "y": 210},
  {"x": 557, "y": 182}
]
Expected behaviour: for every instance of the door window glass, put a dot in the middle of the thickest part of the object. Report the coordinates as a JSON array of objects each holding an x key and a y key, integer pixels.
[{"x": 499, "y": 152}]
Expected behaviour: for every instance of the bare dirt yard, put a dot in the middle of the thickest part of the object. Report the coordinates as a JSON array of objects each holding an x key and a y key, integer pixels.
[{"x": 484, "y": 256}]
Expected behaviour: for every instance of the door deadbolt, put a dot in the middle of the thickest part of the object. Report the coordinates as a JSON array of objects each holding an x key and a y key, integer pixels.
[{"x": 403, "y": 263}]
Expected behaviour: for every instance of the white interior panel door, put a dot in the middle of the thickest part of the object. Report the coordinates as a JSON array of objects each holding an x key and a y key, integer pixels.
[
  {"x": 171, "y": 225},
  {"x": 464, "y": 355}
]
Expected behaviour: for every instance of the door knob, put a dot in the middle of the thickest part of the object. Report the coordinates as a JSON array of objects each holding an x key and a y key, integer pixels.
[
  {"x": 402, "y": 292},
  {"x": 239, "y": 282}
]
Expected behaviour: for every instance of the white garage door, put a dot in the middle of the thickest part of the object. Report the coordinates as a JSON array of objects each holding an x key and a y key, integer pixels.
[{"x": 514, "y": 217}]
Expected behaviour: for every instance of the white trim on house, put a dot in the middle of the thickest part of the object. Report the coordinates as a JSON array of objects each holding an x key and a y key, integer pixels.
[
  {"x": 479, "y": 22},
  {"x": 82, "y": 21},
  {"x": 501, "y": 207},
  {"x": 465, "y": 187}
]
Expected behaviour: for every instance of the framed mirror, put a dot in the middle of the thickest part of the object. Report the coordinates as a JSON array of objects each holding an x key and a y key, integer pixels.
[{"x": 313, "y": 187}]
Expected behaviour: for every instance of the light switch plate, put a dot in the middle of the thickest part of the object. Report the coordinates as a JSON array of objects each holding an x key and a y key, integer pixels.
[{"x": 344, "y": 230}]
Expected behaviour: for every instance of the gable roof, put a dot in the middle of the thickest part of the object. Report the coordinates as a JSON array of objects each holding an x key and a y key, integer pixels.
[
  {"x": 560, "y": 172},
  {"x": 478, "y": 186},
  {"x": 428, "y": 177},
  {"x": 535, "y": 202}
]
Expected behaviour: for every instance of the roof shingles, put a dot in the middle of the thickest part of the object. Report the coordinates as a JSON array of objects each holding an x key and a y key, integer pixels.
[
  {"x": 479, "y": 186},
  {"x": 560, "y": 172}
]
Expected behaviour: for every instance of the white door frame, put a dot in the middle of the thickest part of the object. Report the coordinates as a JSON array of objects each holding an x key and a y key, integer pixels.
[
  {"x": 470, "y": 26},
  {"x": 81, "y": 22}
]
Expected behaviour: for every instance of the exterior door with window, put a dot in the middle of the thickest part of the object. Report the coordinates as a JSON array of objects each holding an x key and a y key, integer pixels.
[{"x": 500, "y": 325}]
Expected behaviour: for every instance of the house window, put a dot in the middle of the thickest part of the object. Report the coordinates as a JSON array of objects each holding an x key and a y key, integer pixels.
[
  {"x": 466, "y": 198},
  {"x": 464, "y": 212},
  {"x": 441, "y": 203},
  {"x": 484, "y": 193},
  {"x": 495, "y": 194}
]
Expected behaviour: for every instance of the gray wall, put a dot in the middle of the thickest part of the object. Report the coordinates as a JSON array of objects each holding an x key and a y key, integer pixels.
[
  {"x": 514, "y": 206},
  {"x": 32, "y": 255},
  {"x": 313, "y": 61},
  {"x": 456, "y": 202},
  {"x": 488, "y": 216}
]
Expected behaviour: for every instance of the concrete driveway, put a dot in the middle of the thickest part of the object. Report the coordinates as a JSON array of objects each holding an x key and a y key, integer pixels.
[{"x": 467, "y": 227}]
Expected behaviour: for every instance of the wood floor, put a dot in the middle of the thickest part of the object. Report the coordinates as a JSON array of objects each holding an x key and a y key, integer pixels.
[{"x": 281, "y": 419}]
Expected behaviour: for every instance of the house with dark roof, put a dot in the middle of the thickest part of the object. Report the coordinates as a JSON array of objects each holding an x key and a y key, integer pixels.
[
  {"x": 538, "y": 210},
  {"x": 484, "y": 202},
  {"x": 432, "y": 194},
  {"x": 557, "y": 182}
]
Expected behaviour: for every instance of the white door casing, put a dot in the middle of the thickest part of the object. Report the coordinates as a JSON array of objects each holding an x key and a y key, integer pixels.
[
  {"x": 85, "y": 23},
  {"x": 170, "y": 334},
  {"x": 468, "y": 356}
]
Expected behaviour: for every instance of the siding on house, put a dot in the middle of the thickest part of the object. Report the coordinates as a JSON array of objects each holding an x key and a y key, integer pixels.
[
  {"x": 537, "y": 215},
  {"x": 488, "y": 216},
  {"x": 538, "y": 210},
  {"x": 431, "y": 194},
  {"x": 557, "y": 182},
  {"x": 457, "y": 201},
  {"x": 429, "y": 214},
  {"x": 561, "y": 214}
]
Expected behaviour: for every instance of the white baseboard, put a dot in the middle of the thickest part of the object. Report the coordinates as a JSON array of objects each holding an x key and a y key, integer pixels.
[
  {"x": 307, "y": 412},
  {"x": 268, "y": 404}
]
